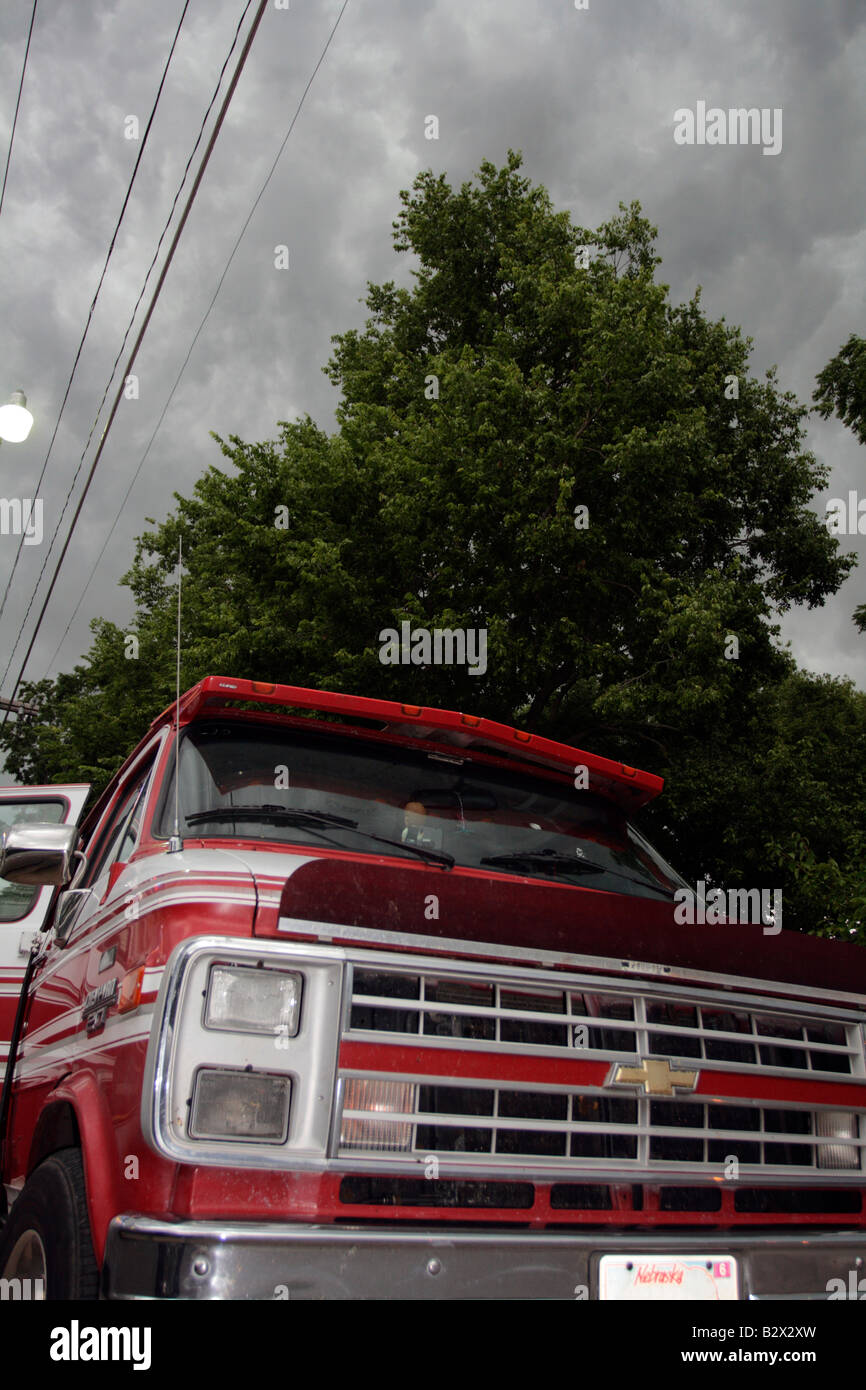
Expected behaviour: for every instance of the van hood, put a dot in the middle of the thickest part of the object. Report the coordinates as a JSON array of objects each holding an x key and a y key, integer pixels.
[{"x": 465, "y": 906}]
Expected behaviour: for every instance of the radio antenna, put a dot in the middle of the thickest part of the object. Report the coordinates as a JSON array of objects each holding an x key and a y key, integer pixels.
[{"x": 176, "y": 843}]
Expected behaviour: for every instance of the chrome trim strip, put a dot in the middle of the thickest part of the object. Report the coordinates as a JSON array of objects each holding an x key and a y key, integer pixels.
[
  {"x": 266, "y": 1232},
  {"x": 455, "y": 946}
]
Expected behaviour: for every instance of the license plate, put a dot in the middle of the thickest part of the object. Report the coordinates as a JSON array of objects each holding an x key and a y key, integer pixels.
[{"x": 657, "y": 1277}]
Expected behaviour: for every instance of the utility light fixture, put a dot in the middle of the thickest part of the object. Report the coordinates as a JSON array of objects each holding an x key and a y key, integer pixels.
[{"x": 16, "y": 421}]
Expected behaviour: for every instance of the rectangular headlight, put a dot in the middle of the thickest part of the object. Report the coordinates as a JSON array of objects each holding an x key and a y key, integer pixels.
[
  {"x": 239, "y": 1105},
  {"x": 246, "y": 999},
  {"x": 381, "y": 1099},
  {"x": 838, "y": 1124}
]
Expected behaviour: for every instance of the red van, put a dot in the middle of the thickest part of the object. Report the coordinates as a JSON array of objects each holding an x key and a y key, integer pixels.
[{"x": 334, "y": 997}]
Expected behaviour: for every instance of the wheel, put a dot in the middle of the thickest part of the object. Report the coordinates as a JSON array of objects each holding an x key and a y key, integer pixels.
[{"x": 47, "y": 1235}]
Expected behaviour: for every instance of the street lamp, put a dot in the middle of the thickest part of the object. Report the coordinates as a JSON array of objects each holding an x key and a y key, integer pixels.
[{"x": 16, "y": 421}]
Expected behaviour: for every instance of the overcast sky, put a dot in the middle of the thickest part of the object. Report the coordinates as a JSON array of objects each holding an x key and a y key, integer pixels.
[{"x": 589, "y": 96}]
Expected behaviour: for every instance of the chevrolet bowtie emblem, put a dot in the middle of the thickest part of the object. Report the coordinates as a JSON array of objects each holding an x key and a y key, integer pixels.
[{"x": 656, "y": 1075}]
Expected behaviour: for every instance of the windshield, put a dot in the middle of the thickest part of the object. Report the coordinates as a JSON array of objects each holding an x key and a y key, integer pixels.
[{"x": 318, "y": 788}]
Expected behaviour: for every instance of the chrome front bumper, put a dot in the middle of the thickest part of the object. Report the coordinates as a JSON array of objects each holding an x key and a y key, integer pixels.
[{"x": 150, "y": 1258}]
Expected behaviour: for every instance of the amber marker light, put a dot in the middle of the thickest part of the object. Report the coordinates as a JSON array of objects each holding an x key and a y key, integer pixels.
[{"x": 130, "y": 991}]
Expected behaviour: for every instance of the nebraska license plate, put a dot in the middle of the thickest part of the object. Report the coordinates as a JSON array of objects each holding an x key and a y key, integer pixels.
[{"x": 711, "y": 1277}]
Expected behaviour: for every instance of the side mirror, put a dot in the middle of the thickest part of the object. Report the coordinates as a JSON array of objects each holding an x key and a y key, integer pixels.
[{"x": 38, "y": 854}]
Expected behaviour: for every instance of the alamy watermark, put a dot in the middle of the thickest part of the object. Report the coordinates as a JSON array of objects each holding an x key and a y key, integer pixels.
[
  {"x": 720, "y": 907},
  {"x": 846, "y": 520},
  {"x": 737, "y": 126},
  {"x": 854, "y": 1290},
  {"x": 77, "y": 1343},
  {"x": 22, "y": 1290},
  {"x": 22, "y": 516},
  {"x": 443, "y": 646}
]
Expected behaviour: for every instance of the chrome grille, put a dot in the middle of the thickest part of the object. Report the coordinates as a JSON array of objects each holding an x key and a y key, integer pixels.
[{"x": 490, "y": 1125}]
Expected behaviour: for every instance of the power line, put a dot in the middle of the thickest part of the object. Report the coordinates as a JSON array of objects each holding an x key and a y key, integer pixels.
[
  {"x": 152, "y": 305},
  {"x": 17, "y": 104},
  {"x": 193, "y": 343},
  {"x": 154, "y": 259},
  {"x": 78, "y": 355}
]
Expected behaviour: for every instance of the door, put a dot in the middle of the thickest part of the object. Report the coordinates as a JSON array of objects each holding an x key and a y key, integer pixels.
[{"x": 23, "y": 909}]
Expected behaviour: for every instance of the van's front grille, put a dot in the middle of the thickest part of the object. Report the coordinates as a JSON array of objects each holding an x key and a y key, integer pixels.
[{"x": 499, "y": 1111}]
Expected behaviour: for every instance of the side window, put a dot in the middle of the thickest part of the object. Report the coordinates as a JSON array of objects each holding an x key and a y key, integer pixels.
[
  {"x": 16, "y": 899},
  {"x": 119, "y": 836},
  {"x": 132, "y": 826}
]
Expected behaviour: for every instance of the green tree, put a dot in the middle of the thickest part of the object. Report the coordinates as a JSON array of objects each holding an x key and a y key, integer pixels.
[
  {"x": 88, "y": 719},
  {"x": 782, "y": 807},
  {"x": 842, "y": 389}
]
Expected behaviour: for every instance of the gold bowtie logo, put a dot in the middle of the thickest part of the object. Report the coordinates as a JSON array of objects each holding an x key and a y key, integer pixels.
[{"x": 656, "y": 1075}]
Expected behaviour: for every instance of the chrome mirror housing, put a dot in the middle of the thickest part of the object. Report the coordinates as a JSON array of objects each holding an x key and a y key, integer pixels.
[{"x": 38, "y": 854}]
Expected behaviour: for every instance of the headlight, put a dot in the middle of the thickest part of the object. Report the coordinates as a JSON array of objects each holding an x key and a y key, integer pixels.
[
  {"x": 245, "y": 999},
  {"x": 236, "y": 1075},
  {"x": 838, "y": 1124},
  {"x": 380, "y": 1099},
  {"x": 239, "y": 1105}
]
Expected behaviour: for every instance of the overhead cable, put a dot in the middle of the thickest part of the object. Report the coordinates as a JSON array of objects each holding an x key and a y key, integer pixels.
[
  {"x": 192, "y": 344},
  {"x": 81, "y": 345},
  {"x": 148, "y": 315}
]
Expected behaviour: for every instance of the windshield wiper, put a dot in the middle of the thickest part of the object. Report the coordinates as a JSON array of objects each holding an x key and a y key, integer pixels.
[
  {"x": 295, "y": 815},
  {"x": 290, "y": 815},
  {"x": 565, "y": 864}
]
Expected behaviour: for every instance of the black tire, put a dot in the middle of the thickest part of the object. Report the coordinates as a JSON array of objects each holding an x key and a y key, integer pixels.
[{"x": 52, "y": 1210}]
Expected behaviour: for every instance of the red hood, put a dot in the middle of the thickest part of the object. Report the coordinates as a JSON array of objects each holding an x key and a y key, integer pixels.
[{"x": 552, "y": 917}]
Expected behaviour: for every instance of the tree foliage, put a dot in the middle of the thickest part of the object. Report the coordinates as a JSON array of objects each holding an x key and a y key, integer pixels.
[{"x": 841, "y": 387}]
